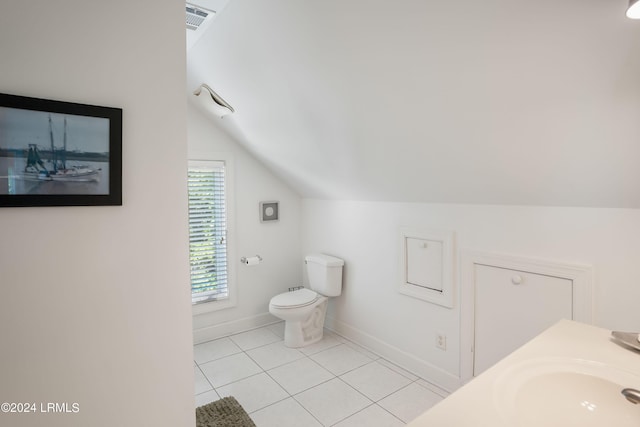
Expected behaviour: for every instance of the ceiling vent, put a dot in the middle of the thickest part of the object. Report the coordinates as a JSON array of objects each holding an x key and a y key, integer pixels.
[{"x": 196, "y": 16}]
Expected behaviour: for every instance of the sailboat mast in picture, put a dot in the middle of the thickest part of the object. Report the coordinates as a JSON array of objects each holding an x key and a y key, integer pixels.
[{"x": 35, "y": 168}]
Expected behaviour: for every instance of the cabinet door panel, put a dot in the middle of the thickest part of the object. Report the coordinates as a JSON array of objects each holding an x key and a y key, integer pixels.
[
  {"x": 424, "y": 263},
  {"x": 512, "y": 307}
]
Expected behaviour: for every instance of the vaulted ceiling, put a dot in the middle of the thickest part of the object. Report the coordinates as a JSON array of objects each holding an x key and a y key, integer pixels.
[{"x": 466, "y": 101}]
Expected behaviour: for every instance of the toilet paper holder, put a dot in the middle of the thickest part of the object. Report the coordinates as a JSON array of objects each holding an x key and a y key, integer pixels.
[{"x": 245, "y": 260}]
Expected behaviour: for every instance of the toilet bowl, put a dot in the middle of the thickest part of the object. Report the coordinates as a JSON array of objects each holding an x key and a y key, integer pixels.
[{"x": 304, "y": 310}]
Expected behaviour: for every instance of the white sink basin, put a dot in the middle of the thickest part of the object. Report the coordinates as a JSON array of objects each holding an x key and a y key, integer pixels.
[{"x": 566, "y": 392}]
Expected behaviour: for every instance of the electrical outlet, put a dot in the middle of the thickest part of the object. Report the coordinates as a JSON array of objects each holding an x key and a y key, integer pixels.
[{"x": 441, "y": 341}]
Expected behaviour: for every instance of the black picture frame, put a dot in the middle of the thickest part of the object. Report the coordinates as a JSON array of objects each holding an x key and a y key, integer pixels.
[{"x": 56, "y": 153}]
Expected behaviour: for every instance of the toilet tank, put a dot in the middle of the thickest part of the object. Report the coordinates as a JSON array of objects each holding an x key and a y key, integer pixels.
[{"x": 325, "y": 274}]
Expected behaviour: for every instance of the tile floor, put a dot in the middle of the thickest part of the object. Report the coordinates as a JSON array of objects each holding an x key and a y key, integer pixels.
[{"x": 331, "y": 383}]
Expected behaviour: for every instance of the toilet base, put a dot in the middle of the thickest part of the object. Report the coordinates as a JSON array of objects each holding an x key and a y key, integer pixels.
[{"x": 302, "y": 333}]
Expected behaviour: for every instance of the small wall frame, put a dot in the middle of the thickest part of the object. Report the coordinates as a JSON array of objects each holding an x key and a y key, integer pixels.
[{"x": 269, "y": 211}]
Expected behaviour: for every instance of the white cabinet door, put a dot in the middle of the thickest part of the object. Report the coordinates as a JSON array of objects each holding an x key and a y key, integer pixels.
[
  {"x": 512, "y": 307},
  {"x": 424, "y": 263}
]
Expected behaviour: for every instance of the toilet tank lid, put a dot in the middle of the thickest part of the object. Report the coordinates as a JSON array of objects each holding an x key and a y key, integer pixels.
[{"x": 328, "y": 260}]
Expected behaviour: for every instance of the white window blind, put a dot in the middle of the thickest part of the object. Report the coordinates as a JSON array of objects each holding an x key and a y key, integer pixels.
[{"x": 207, "y": 231}]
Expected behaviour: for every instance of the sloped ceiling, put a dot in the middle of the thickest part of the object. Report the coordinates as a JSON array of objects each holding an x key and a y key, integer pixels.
[{"x": 466, "y": 101}]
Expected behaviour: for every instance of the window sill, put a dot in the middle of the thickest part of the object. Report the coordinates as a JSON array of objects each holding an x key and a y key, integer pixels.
[{"x": 211, "y": 306}]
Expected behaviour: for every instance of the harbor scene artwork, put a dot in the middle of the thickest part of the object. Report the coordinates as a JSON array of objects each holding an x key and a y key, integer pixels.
[{"x": 54, "y": 153}]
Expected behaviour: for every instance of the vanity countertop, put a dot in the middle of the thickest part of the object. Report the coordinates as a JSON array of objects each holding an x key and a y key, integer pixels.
[{"x": 478, "y": 403}]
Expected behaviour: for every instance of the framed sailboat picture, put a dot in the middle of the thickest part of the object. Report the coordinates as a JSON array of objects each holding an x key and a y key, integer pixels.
[{"x": 55, "y": 153}]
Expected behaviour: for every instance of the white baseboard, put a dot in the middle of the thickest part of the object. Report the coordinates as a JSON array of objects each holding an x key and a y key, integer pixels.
[
  {"x": 425, "y": 370},
  {"x": 232, "y": 327}
]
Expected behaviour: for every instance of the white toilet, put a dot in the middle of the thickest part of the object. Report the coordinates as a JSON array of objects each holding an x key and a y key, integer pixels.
[{"x": 303, "y": 310}]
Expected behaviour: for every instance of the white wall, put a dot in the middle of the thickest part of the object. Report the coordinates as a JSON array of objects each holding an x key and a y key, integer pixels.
[
  {"x": 94, "y": 301},
  {"x": 495, "y": 101},
  {"x": 366, "y": 235},
  {"x": 278, "y": 243}
]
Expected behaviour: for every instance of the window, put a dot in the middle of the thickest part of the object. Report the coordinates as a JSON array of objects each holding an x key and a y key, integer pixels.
[{"x": 207, "y": 231}]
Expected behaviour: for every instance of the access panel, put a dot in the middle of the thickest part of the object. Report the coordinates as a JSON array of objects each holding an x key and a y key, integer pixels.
[
  {"x": 424, "y": 263},
  {"x": 512, "y": 307}
]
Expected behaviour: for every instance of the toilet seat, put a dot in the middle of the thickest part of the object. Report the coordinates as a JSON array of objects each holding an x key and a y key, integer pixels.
[{"x": 299, "y": 298}]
